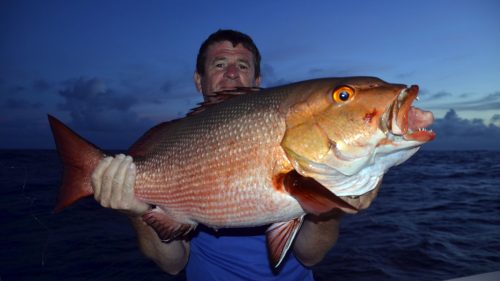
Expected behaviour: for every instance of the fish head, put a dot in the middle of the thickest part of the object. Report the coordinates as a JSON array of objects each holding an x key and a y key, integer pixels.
[{"x": 353, "y": 129}]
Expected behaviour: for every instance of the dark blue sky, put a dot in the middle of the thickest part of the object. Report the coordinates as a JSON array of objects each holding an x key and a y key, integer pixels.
[{"x": 112, "y": 69}]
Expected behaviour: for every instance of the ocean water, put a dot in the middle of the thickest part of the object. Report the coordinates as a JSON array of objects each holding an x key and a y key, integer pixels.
[{"x": 436, "y": 217}]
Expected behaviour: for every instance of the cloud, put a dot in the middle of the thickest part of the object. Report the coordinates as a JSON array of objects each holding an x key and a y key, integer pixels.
[
  {"x": 324, "y": 72},
  {"x": 405, "y": 75},
  {"x": 25, "y": 88},
  {"x": 16, "y": 90},
  {"x": 167, "y": 86},
  {"x": 94, "y": 94},
  {"x": 269, "y": 77},
  {"x": 452, "y": 125},
  {"x": 159, "y": 86},
  {"x": 489, "y": 102},
  {"x": 346, "y": 67},
  {"x": 495, "y": 119},
  {"x": 111, "y": 112},
  {"x": 440, "y": 95},
  {"x": 93, "y": 106},
  {"x": 16, "y": 103},
  {"x": 24, "y": 131},
  {"x": 457, "y": 133},
  {"x": 41, "y": 85}
]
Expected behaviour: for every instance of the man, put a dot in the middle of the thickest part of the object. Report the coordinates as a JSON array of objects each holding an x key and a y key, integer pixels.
[{"x": 227, "y": 59}]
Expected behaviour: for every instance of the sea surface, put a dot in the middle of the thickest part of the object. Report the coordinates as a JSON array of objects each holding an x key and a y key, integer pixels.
[{"x": 436, "y": 217}]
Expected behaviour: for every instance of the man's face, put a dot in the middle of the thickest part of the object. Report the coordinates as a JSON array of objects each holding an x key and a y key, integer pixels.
[{"x": 226, "y": 67}]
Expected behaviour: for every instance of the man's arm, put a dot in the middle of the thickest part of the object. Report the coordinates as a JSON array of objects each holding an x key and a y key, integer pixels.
[
  {"x": 171, "y": 257},
  {"x": 315, "y": 238},
  {"x": 318, "y": 234},
  {"x": 113, "y": 183}
]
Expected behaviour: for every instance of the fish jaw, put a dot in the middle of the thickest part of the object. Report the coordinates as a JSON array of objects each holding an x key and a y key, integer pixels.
[{"x": 405, "y": 125}]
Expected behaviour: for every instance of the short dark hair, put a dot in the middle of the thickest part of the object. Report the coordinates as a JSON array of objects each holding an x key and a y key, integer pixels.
[{"x": 233, "y": 36}]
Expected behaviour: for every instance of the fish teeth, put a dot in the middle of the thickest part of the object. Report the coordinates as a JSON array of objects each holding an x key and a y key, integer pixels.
[
  {"x": 418, "y": 130},
  {"x": 421, "y": 130}
]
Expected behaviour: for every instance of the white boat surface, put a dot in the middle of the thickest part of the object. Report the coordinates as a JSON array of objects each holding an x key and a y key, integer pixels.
[{"x": 490, "y": 276}]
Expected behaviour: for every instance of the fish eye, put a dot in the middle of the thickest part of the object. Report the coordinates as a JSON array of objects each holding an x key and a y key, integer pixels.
[{"x": 342, "y": 94}]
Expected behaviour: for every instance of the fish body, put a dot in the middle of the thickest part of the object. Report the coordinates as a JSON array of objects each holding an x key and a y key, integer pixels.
[
  {"x": 266, "y": 157},
  {"x": 220, "y": 165}
]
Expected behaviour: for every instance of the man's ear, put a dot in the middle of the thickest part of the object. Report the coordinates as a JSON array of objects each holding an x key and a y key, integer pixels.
[
  {"x": 257, "y": 81},
  {"x": 197, "y": 81}
]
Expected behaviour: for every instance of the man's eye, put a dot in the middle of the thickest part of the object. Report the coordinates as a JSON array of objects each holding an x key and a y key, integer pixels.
[
  {"x": 243, "y": 66},
  {"x": 219, "y": 65}
]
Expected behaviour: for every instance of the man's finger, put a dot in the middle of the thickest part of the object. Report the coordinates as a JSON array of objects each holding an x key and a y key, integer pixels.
[
  {"x": 117, "y": 184},
  {"x": 96, "y": 179},
  {"x": 134, "y": 205},
  {"x": 368, "y": 198},
  {"x": 129, "y": 183},
  {"x": 108, "y": 178}
]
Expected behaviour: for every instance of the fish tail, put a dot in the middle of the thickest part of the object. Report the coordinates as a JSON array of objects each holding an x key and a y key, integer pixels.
[{"x": 79, "y": 158}]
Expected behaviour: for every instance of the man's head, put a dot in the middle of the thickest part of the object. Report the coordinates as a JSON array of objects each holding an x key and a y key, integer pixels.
[{"x": 227, "y": 59}]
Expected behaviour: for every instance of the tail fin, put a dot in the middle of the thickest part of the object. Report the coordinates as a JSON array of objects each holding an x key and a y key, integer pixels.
[{"x": 79, "y": 158}]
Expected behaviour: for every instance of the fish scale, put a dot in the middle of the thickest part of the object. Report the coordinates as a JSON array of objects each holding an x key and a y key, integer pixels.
[{"x": 229, "y": 174}]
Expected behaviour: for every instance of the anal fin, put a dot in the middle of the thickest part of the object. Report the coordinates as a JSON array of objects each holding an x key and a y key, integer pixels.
[
  {"x": 280, "y": 237},
  {"x": 313, "y": 197},
  {"x": 167, "y": 228}
]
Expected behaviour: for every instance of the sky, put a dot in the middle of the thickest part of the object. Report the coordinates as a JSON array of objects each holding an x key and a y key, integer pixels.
[{"x": 113, "y": 69}]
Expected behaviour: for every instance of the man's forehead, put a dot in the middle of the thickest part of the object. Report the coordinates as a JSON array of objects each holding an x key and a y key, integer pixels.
[{"x": 225, "y": 49}]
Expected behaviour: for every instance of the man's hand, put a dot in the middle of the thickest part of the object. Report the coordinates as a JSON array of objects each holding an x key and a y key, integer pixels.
[
  {"x": 113, "y": 183},
  {"x": 318, "y": 234},
  {"x": 364, "y": 201}
]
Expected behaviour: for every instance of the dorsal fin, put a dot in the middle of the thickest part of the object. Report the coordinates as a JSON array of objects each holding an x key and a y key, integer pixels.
[
  {"x": 146, "y": 141},
  {"x": 221, "y": 96}
]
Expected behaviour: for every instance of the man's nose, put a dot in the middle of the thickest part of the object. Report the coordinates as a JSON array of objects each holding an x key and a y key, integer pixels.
[{"x": 232, "y": 71}]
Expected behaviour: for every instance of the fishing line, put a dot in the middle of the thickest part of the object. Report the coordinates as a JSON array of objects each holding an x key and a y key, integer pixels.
[
  {"x": 31, "y": 211},
  {"x": 32, "y": 200}
]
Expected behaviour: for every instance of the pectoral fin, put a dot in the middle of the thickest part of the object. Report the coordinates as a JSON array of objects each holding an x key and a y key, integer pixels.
[
  {"x": 167, "y": 228},
  {"x": 313, "y": 197},
  {"x": 280, "y": 237}
]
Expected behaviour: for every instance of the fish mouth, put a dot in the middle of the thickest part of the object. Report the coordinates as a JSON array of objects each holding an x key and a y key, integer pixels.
[{"x": 405, "y": 121}]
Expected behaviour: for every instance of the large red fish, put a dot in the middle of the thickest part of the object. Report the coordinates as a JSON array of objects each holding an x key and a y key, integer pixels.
[{"x": 266, "y": 157}]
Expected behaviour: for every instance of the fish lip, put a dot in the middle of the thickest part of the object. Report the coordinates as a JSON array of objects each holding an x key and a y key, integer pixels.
[{"x": 402, "y": 119}]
